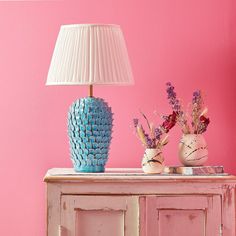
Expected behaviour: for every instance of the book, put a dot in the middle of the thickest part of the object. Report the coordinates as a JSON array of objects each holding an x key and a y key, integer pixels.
[{"x": 195, "y": 170}]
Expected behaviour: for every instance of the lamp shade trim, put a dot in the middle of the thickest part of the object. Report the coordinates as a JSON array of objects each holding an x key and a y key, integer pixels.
[
  {"x": 89, "y": 25},
  {"x": 78, "y": 83}
]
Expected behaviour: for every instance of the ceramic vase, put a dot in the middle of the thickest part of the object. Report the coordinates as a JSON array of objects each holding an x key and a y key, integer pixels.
[
  {"x": 193, "y": 150},
  {"x": 153, "y": 161},
  {"x": 89, "y": 129}
]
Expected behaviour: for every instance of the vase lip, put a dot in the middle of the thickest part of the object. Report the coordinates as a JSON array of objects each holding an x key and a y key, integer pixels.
[{"x": 156, "y": 148}]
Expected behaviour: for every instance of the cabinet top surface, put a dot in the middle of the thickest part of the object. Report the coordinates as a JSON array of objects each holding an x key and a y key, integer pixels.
[{"x": 127, "y": 175}]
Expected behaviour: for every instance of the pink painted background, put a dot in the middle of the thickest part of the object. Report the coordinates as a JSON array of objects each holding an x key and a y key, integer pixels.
[{"x": 191, "y": 43}]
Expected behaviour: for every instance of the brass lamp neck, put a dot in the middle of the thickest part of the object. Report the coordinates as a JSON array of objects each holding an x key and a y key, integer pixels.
[{"x": 90, "y": 90}]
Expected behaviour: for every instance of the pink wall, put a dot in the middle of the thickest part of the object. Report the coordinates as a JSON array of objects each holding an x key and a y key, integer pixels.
[{"x": 191, "y": 43}]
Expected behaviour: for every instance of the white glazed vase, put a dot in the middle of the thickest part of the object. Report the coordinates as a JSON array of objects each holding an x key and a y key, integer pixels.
[
  {"x": 153, "y": 161},
  {"x": 193, "y": 150}
]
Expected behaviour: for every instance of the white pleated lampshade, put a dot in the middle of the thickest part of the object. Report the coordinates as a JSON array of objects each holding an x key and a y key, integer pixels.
[{"x": 87, "y": 54}]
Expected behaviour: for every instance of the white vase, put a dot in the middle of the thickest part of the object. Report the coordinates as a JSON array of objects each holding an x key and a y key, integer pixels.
[
  {"x": 153, "y": 161},
  {"x": 193, "y": 150}
]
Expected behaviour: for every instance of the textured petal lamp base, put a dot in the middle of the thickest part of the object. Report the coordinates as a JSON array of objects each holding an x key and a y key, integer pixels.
[{"x": 89, "y": 130}]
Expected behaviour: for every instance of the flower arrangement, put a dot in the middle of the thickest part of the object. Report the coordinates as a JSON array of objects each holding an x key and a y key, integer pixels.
[
  {"x": 157, "y": 136},
  {"x": 199, "y": 121}
]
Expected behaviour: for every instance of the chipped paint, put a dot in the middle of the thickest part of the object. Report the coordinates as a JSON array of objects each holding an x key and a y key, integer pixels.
[
  {"x": 227, "y": 195},
  {"x": 64, "y": 205},
  {"x": 192, "y": 217}
]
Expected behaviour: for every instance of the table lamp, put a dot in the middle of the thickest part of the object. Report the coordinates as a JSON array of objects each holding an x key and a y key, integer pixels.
[{"x": 90, "y": 54}]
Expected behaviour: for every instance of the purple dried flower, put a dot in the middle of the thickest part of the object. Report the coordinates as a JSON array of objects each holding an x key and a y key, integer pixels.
[
  {"x": 149, "y": 143},
  {"x": 197, "y": 97},
  {"x": 135, "y": 121},
  {"x": 197, "y": 104},
  {"x": 197, "y": 93},
  {"x": 148, "y": 140},
  {"x": 158, "y": 133},
  {"x": 176, "y": 106},
  {"x": 171, "y": 95}
]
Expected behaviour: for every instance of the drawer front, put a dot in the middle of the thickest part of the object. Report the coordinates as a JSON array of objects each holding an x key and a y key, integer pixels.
[
  {"x": 180, "y": 215},
  {"x": 99, "y": 216}
]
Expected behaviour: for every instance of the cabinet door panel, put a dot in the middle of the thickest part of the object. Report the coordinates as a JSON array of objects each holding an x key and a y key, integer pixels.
[
  {"x": 171, "y": 222},
  {"x": 99, "y": 215},
  {"x": 99, "y": 222},
  {"x": 180, "y": 215}
]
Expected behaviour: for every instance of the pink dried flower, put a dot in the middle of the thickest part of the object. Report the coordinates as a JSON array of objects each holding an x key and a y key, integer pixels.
[
  {"x": 202, "y": 125},
  {"x": 169, "y": 122}
]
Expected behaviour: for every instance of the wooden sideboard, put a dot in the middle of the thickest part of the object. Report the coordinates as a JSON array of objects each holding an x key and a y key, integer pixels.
[{"x": 126, "y": 202}]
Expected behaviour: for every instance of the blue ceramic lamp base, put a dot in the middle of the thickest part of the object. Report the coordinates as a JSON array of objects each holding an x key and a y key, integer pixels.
[{"x": 89, "y": 129}]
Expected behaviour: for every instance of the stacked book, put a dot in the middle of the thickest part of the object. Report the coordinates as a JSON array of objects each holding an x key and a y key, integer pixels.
[{"x": 195, "y": 170}]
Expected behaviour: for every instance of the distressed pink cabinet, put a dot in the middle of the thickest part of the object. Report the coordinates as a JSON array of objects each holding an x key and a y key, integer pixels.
[{"x": 126, "y": 202}]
